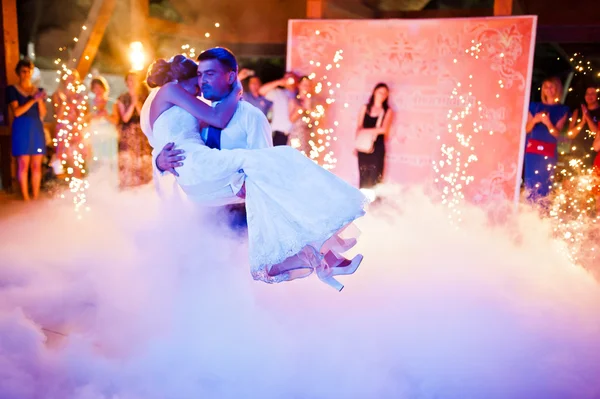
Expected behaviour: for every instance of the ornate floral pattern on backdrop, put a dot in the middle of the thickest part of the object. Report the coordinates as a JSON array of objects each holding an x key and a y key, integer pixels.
[{"x": 423, "y": 61}]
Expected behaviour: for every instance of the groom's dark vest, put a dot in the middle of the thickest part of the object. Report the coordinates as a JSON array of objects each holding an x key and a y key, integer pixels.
[
  {"x": 235, "y": 212},
  {"x": 213, "y": 138}
]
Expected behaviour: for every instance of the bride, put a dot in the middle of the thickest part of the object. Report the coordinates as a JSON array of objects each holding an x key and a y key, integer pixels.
[{"x": 296, "y": 209}]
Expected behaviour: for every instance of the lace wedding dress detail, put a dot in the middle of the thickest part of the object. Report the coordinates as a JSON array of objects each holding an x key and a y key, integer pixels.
[{"x": 291, "y": 202}]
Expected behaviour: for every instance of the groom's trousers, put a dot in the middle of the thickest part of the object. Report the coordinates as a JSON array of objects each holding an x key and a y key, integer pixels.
[{"x": 237, "y": 216}]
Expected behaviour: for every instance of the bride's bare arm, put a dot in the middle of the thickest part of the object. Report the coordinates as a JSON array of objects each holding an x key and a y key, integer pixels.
[{"x": 218, "y": 116}]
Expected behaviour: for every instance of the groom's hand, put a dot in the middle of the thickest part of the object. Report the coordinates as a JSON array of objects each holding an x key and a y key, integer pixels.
[{"x": 168, "y": 159}]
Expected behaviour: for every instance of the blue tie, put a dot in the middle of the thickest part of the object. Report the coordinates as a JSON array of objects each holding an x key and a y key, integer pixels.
[{"x": 213, "y": 138}]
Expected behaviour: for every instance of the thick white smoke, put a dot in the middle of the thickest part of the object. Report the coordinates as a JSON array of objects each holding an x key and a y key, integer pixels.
[{"x": 148, "y": 300}]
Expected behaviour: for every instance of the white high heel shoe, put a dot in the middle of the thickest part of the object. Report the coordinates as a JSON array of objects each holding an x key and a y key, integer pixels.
[{"x": 335, "y": 265}]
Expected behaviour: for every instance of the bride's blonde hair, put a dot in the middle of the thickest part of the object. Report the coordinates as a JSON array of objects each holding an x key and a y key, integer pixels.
[{"x": 162, "y": 71}]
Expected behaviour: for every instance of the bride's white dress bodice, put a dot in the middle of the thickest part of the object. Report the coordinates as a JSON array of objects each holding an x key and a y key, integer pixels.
[
  {"x": 173, "y": 125},
  {"x": 205, "y": 171}
]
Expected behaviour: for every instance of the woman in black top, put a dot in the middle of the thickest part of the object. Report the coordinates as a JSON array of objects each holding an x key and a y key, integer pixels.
[{"x": 375, "y": 119}]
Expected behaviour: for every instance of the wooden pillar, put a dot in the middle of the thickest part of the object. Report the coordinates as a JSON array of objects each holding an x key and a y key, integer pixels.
[
  {"x": 503, "y": 8},
  {"x": 140, "y": 12},
  {"x": 90, "y": 38},
  {"x": 315, "y": 8},
  {"x": 9, "y": 49}
]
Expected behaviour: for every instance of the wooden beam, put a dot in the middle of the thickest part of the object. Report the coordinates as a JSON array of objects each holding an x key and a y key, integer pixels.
[
  {"x": 439, "y": 13},
  {"x": 140, "y": 12},
  {"x": 519, "y": 8},
  {"x": 9, "y": 49},
  {"x": 90, "y": 38},
  {"x": 344, "y": 9},
  {"x": 503, "y": 8},
  {"x": 372, "y": 4},
  {"x": 314, "y": 9}
]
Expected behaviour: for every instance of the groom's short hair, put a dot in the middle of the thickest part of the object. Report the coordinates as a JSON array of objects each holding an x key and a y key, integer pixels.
[{"x": 221, "y": 54}]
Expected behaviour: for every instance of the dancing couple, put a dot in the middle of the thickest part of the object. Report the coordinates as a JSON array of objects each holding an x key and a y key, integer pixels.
[{"x": 223, "y": 155}]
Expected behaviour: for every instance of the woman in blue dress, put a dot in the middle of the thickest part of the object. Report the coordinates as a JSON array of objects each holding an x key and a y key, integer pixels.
[
  {"x": 545, "y": 122},
  {"x": 28, "y": 110}
]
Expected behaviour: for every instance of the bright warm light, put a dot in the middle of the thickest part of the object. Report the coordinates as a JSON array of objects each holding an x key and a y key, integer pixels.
[{"x": 137, "y": 56}]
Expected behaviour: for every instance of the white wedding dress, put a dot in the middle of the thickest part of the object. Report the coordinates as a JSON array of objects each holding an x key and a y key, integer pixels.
[
  {"x": 291, "y": 202},
  {"x": 104, "y": 163}
]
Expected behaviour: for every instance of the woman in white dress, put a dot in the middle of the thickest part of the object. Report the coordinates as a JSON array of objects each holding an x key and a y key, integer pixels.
[
  {"x": 295, "y": 208},
  {"x": 103, "y": 160}
]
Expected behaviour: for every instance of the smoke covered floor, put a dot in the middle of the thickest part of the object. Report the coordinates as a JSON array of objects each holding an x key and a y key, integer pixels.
[{"x": 143, "y": 299}]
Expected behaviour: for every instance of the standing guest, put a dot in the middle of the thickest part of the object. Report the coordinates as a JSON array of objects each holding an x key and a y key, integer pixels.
[
  {"x": 26, "y": 103},
  {"x": 280, "y": 92},
  {"x": 575, "y": 160},
  {"x": 545, "y": 122},
  {"x": 103, "y": 133},
  {"x": 374, "y": 123},
  {"x": 588, "y": 128},
  {"x": 253, "y": 96},
  {"x": 582, "y": 131},
  {"x": 135, "y": 153}
]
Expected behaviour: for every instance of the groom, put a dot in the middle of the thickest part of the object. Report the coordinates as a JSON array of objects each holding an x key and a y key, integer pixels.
[{"x": 248, "y": 128}]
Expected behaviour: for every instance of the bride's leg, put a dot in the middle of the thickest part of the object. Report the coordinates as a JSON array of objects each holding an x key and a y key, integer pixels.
[
  {"x": 338, "y": 244},
  {"x": 297, "y": 266},
  {"x": 309, "y": 259}
]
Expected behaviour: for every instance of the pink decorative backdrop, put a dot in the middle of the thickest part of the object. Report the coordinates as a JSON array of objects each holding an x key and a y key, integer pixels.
[{"x": 487, "y": 61}]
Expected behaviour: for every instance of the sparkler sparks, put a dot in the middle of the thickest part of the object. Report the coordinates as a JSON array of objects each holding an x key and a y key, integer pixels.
[
  {"x": 321, "y": 136},
  {"x": 71, "y": 138},
  {"x": 464, "y": 124}
]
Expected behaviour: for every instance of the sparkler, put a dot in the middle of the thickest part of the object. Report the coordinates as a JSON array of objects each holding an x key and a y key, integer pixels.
[
  {"x": 320, "y": 136},
  {"x": 464, "y": 124}
]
